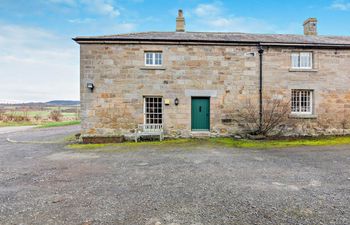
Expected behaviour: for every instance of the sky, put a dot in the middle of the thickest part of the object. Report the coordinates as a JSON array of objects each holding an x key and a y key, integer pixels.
[{"x": 39, "y": 61}]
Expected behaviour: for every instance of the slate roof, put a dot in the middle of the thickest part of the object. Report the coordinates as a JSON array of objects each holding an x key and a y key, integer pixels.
[{"x": 221, "y": 37}]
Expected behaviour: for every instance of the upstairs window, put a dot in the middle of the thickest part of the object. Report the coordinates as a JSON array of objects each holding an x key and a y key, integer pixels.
[
  {"x": 302, "y": 60},
  {"x": 302, "y": 102},
  {"x": 153, "y": 58}
]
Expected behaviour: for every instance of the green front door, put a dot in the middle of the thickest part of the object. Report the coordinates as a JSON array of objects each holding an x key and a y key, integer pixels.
[{"x": 200, "y": 114}]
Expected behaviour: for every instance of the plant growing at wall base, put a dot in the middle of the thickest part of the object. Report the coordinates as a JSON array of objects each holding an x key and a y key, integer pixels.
[{"x": 274, "y": 116}]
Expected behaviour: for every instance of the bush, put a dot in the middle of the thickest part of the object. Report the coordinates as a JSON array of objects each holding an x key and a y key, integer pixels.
[
  {"x": 2, "y": 115},
  {"x": 55, "y": 115},
  {"x": 37, "y": 117},
  {"x": 274, "y": 116},
  {"x": 14, "y": 117}
]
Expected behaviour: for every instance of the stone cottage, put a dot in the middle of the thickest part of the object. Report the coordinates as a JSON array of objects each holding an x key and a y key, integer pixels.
[{"x": 193, "y": 82}]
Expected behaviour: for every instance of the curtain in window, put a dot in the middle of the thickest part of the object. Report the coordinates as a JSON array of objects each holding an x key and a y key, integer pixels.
[
  {"x": 302, "y": 60},
  {"x": 295, "y": 60}
]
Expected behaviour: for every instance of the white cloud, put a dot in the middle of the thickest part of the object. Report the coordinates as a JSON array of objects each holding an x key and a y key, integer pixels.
[
  {"x": 37, "y": 65},
  {"x": 340, "y": 5},
  {"x": 240, "y": 24},
  {"x": 213, "y": 17},
  {"x": 101, "y": 7},
  {"x": 66, "y": 2},
  {"x": 203, "y": 10},
  {"x": 81, "y": 21},
  {"x": 124, "y": 27}
]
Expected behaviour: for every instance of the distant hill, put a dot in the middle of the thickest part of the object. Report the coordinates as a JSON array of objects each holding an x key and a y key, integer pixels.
[
  {"x": 63, "y": 102},
  {"x": 42, "y": 104}
]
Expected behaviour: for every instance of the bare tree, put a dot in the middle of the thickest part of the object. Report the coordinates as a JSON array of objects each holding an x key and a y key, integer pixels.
[{"x": 274, "y": 115}]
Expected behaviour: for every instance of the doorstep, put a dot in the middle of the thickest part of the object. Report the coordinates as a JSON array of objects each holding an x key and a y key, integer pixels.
[{"x": 200, "y": 134}]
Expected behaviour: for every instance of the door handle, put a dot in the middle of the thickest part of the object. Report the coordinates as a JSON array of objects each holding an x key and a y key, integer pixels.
[{"x": 200, "y": 108}]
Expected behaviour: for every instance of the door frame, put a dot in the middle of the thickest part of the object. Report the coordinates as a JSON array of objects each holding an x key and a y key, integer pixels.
[{"x": 201, "y": 130}]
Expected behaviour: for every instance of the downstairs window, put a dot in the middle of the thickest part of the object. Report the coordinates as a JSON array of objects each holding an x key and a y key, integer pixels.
[
  {"x": 302, "y": 102},
  {"x": 153, "y": 110}
]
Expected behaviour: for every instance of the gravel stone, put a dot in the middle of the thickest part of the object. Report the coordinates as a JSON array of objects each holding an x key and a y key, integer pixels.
[{"x": 195, "y": 184}]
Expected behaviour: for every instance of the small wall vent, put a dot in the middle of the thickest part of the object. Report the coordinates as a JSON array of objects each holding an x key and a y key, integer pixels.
[{"x": 250, "y": 54}]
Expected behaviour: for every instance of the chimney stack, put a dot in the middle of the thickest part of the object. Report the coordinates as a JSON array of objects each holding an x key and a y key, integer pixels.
[
  {"x": 310, "y": 26},
  {"x": 180, "y": 22}
]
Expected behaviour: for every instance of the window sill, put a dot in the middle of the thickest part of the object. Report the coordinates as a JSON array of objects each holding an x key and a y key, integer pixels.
[
  {"x": 303, "y": 116},
  {"x": 152, "y": 68},
  {"x": 302, "y": 70}
]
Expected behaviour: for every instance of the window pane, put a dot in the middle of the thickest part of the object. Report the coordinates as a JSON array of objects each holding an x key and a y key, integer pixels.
[
  {"x": 305, "y": 58},
  {"x": 295, "y": 60},
  {"x": 149, "y": 58},
  {"x": 295, "y": 101},
  {"x": 158, "y": 58}
]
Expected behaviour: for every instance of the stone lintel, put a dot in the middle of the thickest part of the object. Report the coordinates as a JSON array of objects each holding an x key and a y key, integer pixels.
[{"x": 201, "y": 93}]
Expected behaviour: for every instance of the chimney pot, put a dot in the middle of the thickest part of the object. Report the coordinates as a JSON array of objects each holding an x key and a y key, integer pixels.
[
  {"x": 310, "y": 26},
  {"x": 180, "y": 22}
]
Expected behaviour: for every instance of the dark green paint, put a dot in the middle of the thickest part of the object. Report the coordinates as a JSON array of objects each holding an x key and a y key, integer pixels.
[{"x": 200, "y": 113}]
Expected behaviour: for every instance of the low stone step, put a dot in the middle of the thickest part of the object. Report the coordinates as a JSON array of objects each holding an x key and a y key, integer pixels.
[{"x": 200, "y": 134}]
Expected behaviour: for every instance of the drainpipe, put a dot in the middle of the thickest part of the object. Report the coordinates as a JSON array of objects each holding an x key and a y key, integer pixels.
[{"x": 261, "y": 52}]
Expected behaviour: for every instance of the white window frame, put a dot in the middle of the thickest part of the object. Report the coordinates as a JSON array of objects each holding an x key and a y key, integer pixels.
[
  {"x": 145, "y": 109},
  {"x": 297, "y": 60},
  {"x": 302, "y": 93},
  {"x": 155, "y": 61}
]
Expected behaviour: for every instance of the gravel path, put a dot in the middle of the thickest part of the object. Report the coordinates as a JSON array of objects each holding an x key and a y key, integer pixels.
[{"x": 45, "y": 183}]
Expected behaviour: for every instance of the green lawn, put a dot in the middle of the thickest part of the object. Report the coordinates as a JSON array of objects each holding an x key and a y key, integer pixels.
[
  {"x": 38, "y": 116},
  {"x": 136, "y": 144},
  {"x": 59, "y": 124},
  {"x": 267, "y": 144},
  {"x": 40, "y": 125},
  {"x": 15, "y": 124},
  {"x": 228, "y": 142},
  {"x": 42, "y": 114}
]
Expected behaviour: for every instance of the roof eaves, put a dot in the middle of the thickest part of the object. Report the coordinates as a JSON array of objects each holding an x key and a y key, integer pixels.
[{"x": 111, "y": 40}]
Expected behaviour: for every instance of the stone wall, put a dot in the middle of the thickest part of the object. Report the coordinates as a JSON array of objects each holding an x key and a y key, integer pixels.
[
  {"x": 228, "y": 74},
  {"x": 329, "y": 80}
]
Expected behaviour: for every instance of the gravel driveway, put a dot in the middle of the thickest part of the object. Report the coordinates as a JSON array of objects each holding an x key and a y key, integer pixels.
[{"x": 42, "y": 182}]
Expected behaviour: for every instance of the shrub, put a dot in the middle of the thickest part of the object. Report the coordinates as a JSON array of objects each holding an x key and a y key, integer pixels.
[
  {"x": 274, "y": 116},
  {"x": 16, "y": 117},
  {"x": 55, "y": 115},
  {"x": 37, "y": 117},
  {"x": 2, "y": 115}
]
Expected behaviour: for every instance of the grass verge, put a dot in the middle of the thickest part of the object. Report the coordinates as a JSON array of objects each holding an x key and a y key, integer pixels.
[
  {"x": 174, "y": 142},
  {"x": 16, "y": 124},
  {"x": 40, "y": 125},
  {"x": 268, "y": 144},
  {"x": 227, "y": 142},
  {"x": 59, "y": 124}
]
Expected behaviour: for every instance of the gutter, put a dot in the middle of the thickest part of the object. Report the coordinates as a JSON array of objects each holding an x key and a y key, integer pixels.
[{"x": 82, "y": 40}]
